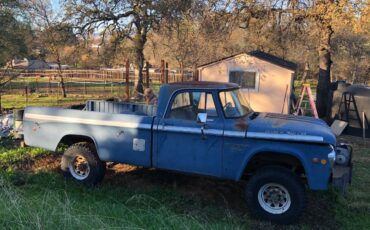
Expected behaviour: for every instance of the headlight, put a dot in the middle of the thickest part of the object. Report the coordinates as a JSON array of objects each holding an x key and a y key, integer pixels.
[
  {"x": 331, "y": 156},
  {"x": 343, "y": 155}
]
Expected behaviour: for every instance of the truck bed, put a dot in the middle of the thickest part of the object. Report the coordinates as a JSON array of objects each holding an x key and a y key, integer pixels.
[
  {"x": 122, "y": 132},
  {"x": 121, "y": 108}
]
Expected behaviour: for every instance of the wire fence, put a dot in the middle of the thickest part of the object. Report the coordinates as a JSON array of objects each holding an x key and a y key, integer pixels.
[{"x": 101, "y": 82}]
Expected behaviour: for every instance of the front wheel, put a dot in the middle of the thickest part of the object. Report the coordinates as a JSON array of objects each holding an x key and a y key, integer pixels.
[
  {"x": 276, "y": 194},
  {"x": 81, "y": 162}
]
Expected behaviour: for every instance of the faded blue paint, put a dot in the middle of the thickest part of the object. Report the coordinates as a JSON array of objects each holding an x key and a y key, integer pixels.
[
  {"x": 224, "y": 149},
  {"x": 113, "y": 143}
]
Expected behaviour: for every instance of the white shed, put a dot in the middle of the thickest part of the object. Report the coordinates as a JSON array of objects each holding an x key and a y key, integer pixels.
[{"x": 266, "y": 80}]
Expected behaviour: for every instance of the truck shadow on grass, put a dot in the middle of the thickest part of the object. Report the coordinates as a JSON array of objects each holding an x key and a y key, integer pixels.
[{"x": 223, "y": 195}]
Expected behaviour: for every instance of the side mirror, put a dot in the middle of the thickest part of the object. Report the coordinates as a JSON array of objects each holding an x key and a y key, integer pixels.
[{"x": 202, "y": 118}]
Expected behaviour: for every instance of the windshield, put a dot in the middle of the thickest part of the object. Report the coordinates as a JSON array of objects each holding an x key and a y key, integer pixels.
[{"x": 234, "y": 104}]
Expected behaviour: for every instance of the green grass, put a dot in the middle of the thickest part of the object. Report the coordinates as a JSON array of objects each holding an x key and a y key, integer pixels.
[
  {"x": 354, "y": 211},
  {"x": 153, "y": 199},
  {"x": 19, "y": 101},
  {"x": 76, "y": 94}
]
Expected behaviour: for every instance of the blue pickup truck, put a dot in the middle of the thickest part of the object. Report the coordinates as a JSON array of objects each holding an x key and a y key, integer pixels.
[{"x": 204, "y": 128}]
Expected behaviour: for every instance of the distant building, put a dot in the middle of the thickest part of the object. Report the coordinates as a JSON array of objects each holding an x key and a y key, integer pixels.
[
  {"x": 266, "y": 80},
  {"x": 29, "y": 64},
  {"x": 56, "y": 66}
]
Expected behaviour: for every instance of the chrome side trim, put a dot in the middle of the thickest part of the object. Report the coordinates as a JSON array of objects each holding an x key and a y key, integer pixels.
[
  {"x": 182, "y": 129},
  {"x": 75, "y": 120},
  {"x": 215, "y": 132},
  {"x": 287, "y": 137},
  {"x": 239, "y": 134}
]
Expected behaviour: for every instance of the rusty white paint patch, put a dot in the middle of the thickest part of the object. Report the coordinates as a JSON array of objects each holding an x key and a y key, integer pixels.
[{"x": 138, "y": 144}]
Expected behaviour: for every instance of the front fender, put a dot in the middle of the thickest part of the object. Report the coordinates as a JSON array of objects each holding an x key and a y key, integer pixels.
[
  {"x": 270, "y": 149},
  {"x": 317, "y": 174}
]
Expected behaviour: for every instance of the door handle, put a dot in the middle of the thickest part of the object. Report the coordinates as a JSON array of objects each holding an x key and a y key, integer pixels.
[
  {"x": 36, "y": 126},
  {"x": 120, "y": 133}
]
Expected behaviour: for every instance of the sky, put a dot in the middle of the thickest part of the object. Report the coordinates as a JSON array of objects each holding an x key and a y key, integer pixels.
[{"x": 56, "y": 5}]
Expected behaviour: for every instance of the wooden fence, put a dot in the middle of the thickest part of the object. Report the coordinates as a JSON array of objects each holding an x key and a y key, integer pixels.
[
  {"x": 101, "y": 75},
  {"x": 84, "y": 82}
]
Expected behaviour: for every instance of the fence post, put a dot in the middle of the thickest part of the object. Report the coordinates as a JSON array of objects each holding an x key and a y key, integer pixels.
[
  {"x": 84, "y": 88},
  {"x": 26, "y": 92},
  {"x": 147, "y": 74},
  {"x": 182, "y": 71},
  {"x": 195, "y": 74},
  {"x": 166, "y": 72},
  {"x": 36, "y": 85},
  {"x": 162, "y": 71},
  {"x": 127, "y": 79},
  {"x": 49, "y": 86}
]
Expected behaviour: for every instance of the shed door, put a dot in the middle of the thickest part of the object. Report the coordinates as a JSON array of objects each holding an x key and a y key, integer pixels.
[{"x": 181, "y": 144}]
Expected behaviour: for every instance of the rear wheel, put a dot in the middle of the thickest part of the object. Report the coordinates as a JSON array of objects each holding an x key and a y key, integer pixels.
[
  {"x": 81, "y": 162},
  {"x": 276, "y": 194}
]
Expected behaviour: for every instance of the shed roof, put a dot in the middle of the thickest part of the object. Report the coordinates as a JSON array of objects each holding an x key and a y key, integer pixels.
[
  {"x": 263, "y": 56},
  {"x": 202, "y": 85}
]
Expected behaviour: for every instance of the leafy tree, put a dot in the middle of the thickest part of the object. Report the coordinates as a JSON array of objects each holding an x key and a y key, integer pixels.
[
  {"x": 321, "y": 15},
  {"x": 15, "y": 37},
  {"x": 14, "y": 34},
  {"x": 53, "y": 33},
  {"x": 125, "y": 19},
  {"x": 351, "y": 52}
]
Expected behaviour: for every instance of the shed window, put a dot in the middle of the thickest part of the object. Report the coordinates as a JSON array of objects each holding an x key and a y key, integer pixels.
[{"x": 245, "y": 79}]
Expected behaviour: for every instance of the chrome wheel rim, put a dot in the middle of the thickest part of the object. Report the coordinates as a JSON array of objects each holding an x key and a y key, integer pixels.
[
  {"x": 274, "y": 198},
  {"x": 79, "y": 167}
]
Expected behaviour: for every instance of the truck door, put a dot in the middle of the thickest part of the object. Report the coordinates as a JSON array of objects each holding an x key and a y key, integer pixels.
[{"x": 183, "y": 144}]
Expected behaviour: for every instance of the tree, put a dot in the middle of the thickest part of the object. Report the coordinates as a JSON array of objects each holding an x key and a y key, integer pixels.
[
  {"x": 53, "y": 33},
  {"x": 14, "y": 34},
  {"x": 126, "y": 19},
  {"x": 324, "y": 14},
  {"x": 200, "y": 36},
  {"x": 14, "y": 39},
  {"x": 351, "y": 55}
]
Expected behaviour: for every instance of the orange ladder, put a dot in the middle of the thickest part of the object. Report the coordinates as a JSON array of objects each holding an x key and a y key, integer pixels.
[{"x": 298, "y": 107}]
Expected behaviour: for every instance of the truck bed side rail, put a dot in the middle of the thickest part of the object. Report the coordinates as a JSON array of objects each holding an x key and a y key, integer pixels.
[{"x": 121, "y": 108}]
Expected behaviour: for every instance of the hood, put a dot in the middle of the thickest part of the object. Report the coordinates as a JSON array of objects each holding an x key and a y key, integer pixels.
[{"x": 291, "y": 128}]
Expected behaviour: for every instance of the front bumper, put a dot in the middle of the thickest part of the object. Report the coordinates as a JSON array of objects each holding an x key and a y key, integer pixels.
[{"x": 342, "y": 171}]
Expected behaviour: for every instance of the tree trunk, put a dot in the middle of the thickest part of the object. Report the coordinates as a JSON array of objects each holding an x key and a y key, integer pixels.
[
  {"x": 140, "y": 65},
  {"x": 61, "y": 80},
  {"x": 63, "y": 87},
  {"x": 139, "y": 41},
  {"x": 305, "y": 72},
  {"x": 322, "y": 102}
]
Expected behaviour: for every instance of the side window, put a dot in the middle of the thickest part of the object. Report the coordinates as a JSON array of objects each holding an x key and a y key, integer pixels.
[
  {"x": 181, "y": 100},
  {"x": 187, "y": 105},
  {"x": 207, "y": 105}
]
